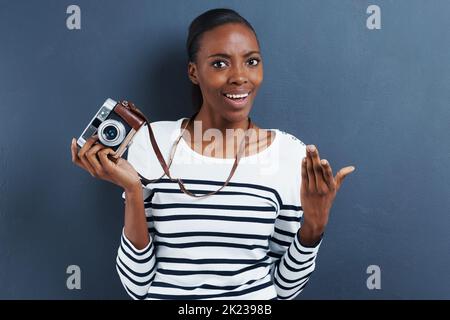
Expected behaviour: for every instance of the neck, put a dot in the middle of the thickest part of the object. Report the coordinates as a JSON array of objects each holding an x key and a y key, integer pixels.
[
  {"x": 205, "y": 120},
  {"x": 213, "y": 120}
]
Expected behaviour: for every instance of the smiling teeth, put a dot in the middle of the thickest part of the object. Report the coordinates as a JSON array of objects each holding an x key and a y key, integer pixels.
[{"x": 236, "y": 96}]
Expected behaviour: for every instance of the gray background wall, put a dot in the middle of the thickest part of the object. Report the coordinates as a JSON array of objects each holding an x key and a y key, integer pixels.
[{"x": 377, "y": 99}]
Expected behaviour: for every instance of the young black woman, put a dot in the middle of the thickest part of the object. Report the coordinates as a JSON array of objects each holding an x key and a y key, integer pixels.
[{"x": 258, "y": 237}]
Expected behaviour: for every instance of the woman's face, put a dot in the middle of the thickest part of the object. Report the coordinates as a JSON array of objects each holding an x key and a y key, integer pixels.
[{"x": 229, "y": 70}]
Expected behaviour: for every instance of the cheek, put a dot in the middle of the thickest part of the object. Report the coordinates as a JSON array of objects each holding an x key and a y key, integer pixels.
[
  {"x": 213, "y": 82},
  {"x": 216, "y": 81},
  {"x": 256, "y": 78}
]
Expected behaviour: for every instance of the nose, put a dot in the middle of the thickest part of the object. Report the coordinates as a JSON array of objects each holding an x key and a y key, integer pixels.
[{"x": 238, "y": 76}]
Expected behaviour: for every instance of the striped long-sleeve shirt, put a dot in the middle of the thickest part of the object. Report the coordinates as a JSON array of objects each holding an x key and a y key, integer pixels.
[{"x": 241, "y": 243}]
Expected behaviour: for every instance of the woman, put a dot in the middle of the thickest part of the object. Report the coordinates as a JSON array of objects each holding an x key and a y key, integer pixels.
[{"x": 245, "y": 241}]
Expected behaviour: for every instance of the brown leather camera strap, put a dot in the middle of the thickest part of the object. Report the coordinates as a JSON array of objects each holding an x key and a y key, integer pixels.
[
  {"x": 160, "y": 157},
  {"x": 165, "y": 167}
]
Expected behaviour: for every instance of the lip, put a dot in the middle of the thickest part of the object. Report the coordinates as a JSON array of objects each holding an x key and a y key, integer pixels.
[
  {"x": 237, "y": 103},
  {"x": 238, "y": 92}
]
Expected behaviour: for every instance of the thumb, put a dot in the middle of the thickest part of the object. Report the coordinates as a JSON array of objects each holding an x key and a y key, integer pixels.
[{"x": 340, "y": 176}]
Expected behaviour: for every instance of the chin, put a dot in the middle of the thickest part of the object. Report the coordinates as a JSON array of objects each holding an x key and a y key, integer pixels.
[{"x": 236, "y": 115}]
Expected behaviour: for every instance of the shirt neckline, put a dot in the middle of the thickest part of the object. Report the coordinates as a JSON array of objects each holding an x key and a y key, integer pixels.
[{"x": 185, "y": 145}]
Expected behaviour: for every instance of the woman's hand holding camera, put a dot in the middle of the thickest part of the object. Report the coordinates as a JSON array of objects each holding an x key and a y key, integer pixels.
[{"x": 93, "y": 157}]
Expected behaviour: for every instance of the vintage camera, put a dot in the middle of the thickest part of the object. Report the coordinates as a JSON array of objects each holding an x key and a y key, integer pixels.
[{"x": 115, "y": 123}]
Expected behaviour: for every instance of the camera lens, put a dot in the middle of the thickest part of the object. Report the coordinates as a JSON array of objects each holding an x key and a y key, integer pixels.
[{"x": 110, "y": 132}]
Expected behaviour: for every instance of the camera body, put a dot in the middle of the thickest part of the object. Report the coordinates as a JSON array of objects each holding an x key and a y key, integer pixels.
[{"x": 115, "y": 124}]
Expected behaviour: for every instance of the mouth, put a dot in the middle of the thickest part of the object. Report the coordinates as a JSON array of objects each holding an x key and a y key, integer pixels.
[{"x": 237, "y": 100}]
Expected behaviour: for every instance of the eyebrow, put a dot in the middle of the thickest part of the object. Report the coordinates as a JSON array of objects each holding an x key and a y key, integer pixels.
[{"x": 224, "y": 55}]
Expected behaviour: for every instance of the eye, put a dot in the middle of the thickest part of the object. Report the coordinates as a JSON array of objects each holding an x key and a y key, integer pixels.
[
  {"x": 219, "y": 64},
  {"x": 254, "y": 61}
]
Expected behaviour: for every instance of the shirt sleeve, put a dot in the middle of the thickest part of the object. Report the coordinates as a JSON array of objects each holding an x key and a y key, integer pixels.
[
  {"x": 136, "y": 267},
  {"x": 293, "y": 262}
]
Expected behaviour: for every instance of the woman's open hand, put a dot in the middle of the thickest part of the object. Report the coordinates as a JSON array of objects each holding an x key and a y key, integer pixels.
[
  {"x": 93, "y": 157},
  {"x": 318, "y": 189}
]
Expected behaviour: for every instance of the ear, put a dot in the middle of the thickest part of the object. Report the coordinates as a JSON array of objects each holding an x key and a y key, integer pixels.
[{"x": 192, "y": 72}]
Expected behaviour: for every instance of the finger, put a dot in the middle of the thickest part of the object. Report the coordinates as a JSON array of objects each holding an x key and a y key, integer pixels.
[
  {"x": 75, "y": 158},
  {"x": 340, "y": 176},
  {"x": 82, "y": 154},
  {"x": 317, "y": 167},
  {"x": 87, "y": 166},
  {"x": 304, "y": 174},
  {"x": 87, "y": 145},
  {"x": 91, "y": 157},
  {"x": 310, "y": 172},
  {"x": 74, "y": 151},
  {"x": 328, "y": 174},
  {"x": 107, "y": 164}
]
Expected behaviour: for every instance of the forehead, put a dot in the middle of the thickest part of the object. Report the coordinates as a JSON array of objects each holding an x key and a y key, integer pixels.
[{"x": 232, "y": 38}]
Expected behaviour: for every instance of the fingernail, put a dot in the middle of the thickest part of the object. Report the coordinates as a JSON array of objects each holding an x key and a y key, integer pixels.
[
  {"x": 311, "y": 148},
  {"x": 323, "y": 161}
]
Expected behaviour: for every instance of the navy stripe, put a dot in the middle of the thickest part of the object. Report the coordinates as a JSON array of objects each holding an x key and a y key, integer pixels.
[
  {"x": 289, "y": 288},
  {"x": 150, "y": 197},
  {"x": 207, "y": 234},
  {"x": 214, "y": 272},
  {"x": 211, "y": 261},
  {"x": 137, "y": 274},
  {"x": 291, "y": 207},
  {"x": 207, "y": 296},
  {"x": 202, "y": 191},
  {"x": 285, "y": 233},
  {"x": 209, "y": 244},
  {"x": 301, "y": 251},
  {"x": 295, "y": 269},
  {"x": 231, "y": 184},
  {"x": 295, "y": 293},
  {"x": 297, "y": 261},
  {"x": 278, "y": 284},
  {"x": 280, "y": 242},
  {"x": 289, "y": 218},
  {"x": 208, "y": 217},
  {"x": 131, "y": 293},
  {"x": 133, "y": 250},
  {"x": 274, "y": 255},
  {"x": 236, "y": 184},
  {"x": 292, "y": 281},
  {"x": 137, "y": 260},
  {"x": 208, "y": 206},
  {"x": 138, "y": 283},
  {"x": 203, "y": 286}
]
